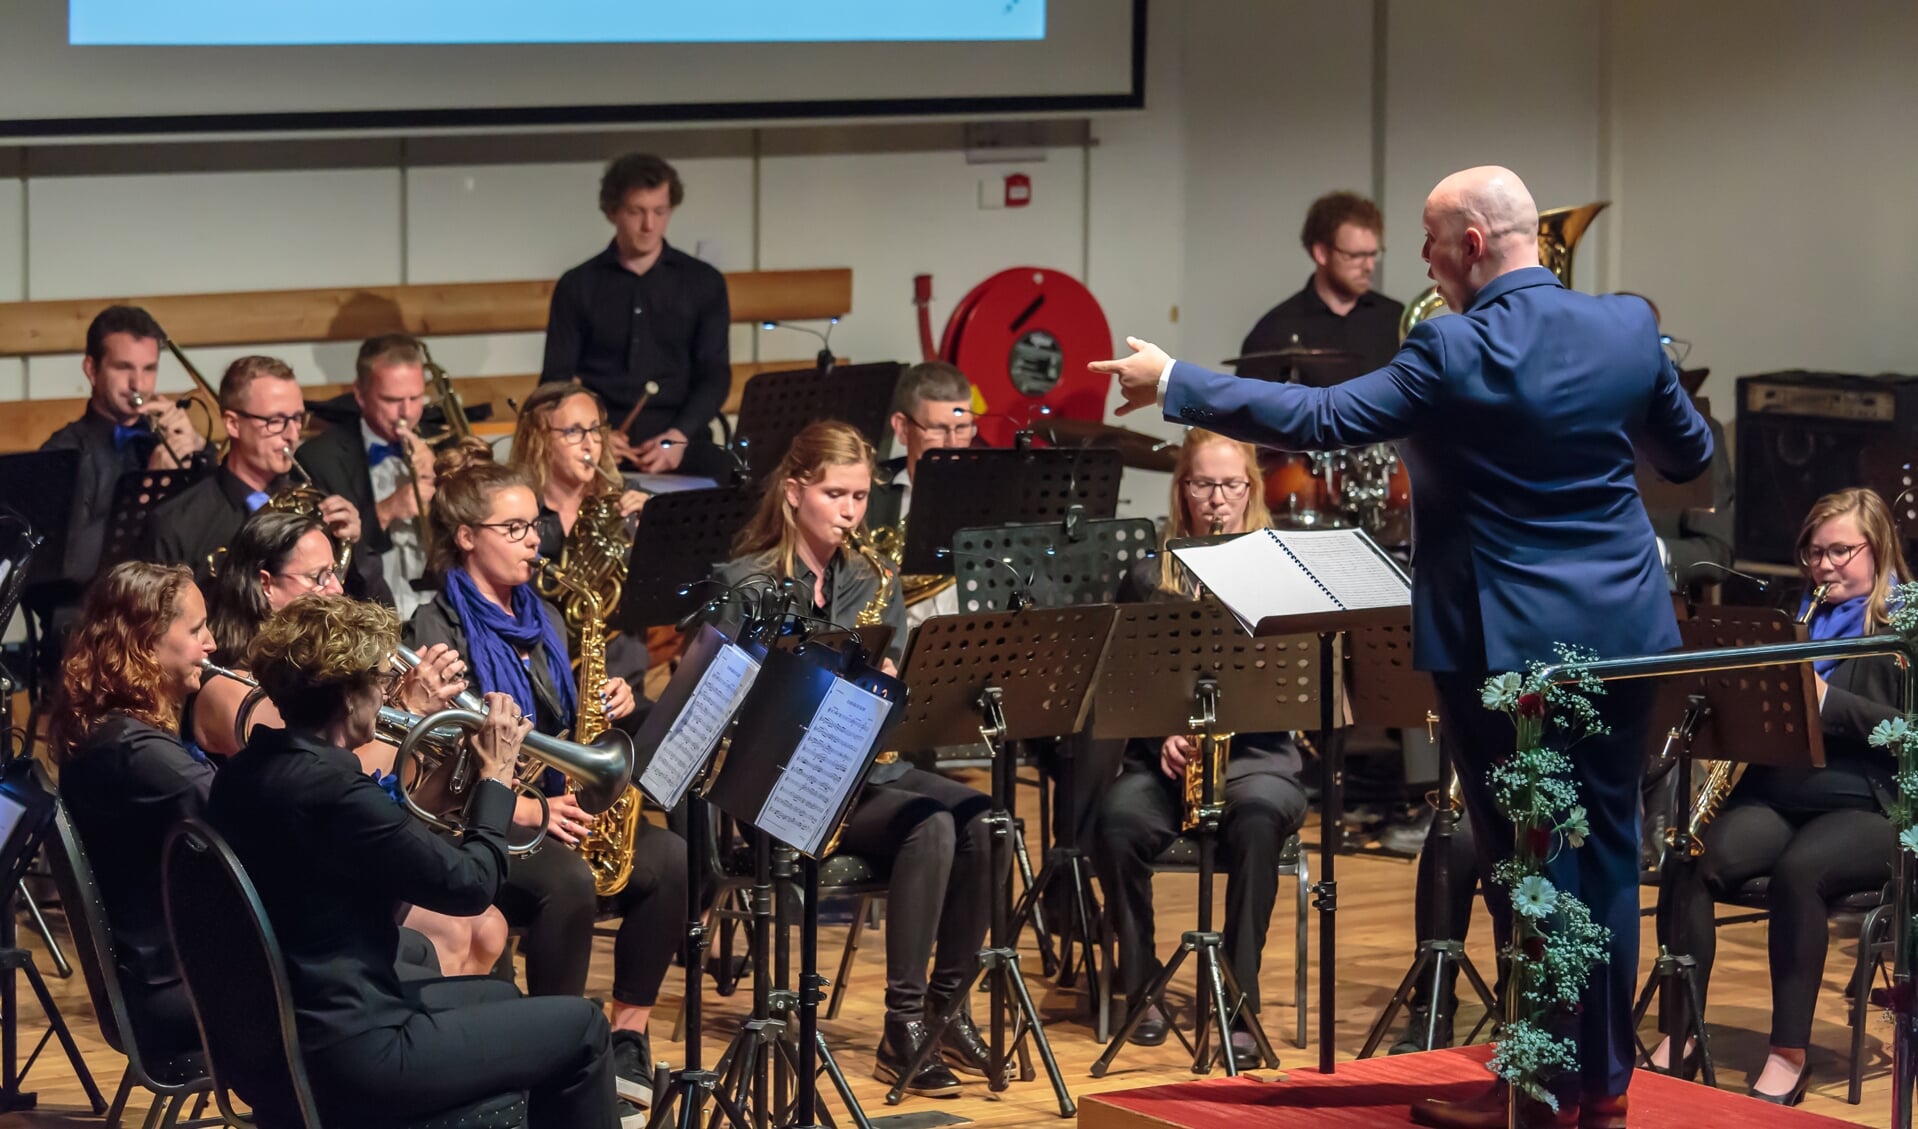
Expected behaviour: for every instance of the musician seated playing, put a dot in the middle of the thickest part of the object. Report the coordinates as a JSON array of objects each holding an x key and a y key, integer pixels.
[
  {"x": 1819, "y": 833},
  {"x": 334, "y": 857},
  {"x": 275, "y": 559},
  {"x": 928, "y": 834},
  {"x": 485, "y": 551},
  {"x": 126, "y": 776},
  {"x": 1215, "y": 486}
]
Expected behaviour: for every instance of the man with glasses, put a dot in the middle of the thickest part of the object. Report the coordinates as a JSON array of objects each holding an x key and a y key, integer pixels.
[
  {"x": 931, "y": 407},
  {"x": 263, "y": 411},
  {"x": 1337, "y": 308},
  {"x": 368, "y": 464}
]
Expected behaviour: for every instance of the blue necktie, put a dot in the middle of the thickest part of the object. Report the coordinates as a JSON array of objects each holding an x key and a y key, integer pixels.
[
  {"x": 255, "y": 500},
  {"x": 127, "y": 433},
  {"x": 377, "y": 453}
]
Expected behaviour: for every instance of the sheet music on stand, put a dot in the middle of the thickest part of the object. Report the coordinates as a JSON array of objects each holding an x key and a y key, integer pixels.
[
  {"x": 683, "y": 729},
  {"x": 1284, "y": 581},
  {"x": 807, "y": 735}
]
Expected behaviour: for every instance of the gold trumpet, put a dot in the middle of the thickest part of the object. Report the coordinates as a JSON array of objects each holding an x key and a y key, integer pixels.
[{"x": 153, "y": 422}]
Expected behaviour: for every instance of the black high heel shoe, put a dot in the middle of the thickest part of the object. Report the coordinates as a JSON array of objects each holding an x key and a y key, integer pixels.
[{"x": 1797, "y": 1093}]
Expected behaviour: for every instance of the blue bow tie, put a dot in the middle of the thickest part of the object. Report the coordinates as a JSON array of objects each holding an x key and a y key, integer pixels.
[
  {"x": 257, "y": 499},
  {"x": 377, "y": 453},
  {"x": 127, "y": 433}
]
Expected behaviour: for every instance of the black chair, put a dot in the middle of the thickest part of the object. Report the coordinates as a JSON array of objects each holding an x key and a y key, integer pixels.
[
  {"x": 236, "y": 980},
  {"x": 170, "y": 1079}
]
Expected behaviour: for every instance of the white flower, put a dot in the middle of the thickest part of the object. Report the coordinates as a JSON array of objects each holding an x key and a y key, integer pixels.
[
  {"x": 1908, "y": 839},
  {"x": 1501, "y": 692},
  {"x": 1890, "y": 733},
  {"x": 1534, "y": 897},
  {"x": 1577, "y": 827}
]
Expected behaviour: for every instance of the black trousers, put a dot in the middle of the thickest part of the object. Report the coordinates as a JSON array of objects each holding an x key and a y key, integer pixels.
[
  {"x": 473, "y": 1037},
  {"x": 652, "y": 909},
  {"x": 1460, "y": 863},
  {"x": 928, "y": 834},
  {"x": 1139, "y": 818},
  {"x": 549, "y": 896},
  {"x": 1603, "y": 874},
  {"x": 1812, "y": 858}
]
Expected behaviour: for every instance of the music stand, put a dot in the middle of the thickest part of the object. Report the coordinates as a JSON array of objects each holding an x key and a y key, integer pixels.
[
  {"x": 681, "y": 538},
  {"x": 1004, "y": 677},
  {"x": 1765, "y": 715},
  {"x": 1385, "y": 690},
  {"x": 1177, "y": 668},
  {"x": 776, "y": 406},
  {"x": 959, "y": 488},
  {"x": 135, "y": 497},
  {"x": 38, "y": 486}
]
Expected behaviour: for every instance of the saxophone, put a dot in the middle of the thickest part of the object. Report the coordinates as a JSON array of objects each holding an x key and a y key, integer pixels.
[
  {"x": 1210, "y": 746},
  {"x": 875, "y": 609},
  {"x": 1721, "y": 775},
  {"x": 587, "y": 585}
]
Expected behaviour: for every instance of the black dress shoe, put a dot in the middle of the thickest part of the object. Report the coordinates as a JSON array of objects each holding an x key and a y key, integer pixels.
[
  {"x": 1151, "y": 1028},
  {"x": 1245, "y": 1050},
  {"x": 902, "y": 1041},
  {"x": 960, "y": 1045},
  {"x": 1412, "y": 1039},
  {"x": 1797, "y": 1093}
]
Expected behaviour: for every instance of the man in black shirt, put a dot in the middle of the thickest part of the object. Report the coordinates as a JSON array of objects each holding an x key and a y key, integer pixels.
[
  {"x": 1337, "y": 308},
  {"x": 645, "y": 322},
  {"x": 261, "y": 406},
  {"x": 121, "y": 429}
]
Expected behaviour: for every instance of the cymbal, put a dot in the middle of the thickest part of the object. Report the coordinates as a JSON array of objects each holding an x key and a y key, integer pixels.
[
  {"x": 1136, "y": 449},
  {"x": 1297, "y": 354}
]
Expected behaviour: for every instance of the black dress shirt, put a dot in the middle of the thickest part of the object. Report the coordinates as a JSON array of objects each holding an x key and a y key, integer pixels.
[
  {"x": 101, "y": 465},
  {"x": 124, "y": 788},
  {"x": 616, "y": 330},
  {"x": 334, "y": 858},
  {"x": 1370, "y": 331},
  {"x": 191, "y": 525}
]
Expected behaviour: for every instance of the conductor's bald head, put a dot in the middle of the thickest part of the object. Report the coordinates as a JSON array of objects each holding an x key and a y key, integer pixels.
[{"x": 1479, "y": 224}]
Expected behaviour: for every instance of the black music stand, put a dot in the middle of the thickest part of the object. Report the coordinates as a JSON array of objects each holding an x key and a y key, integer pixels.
[
  {"x": 772, "y": 747},
  {"x": 776, "y": 406},
  {"x": 958, "y": 488},
  {"x": 682, "y": 537},
  {"x": 1185, "y": 667},
  {"x": 1004, "y": 677},
  {"x": 1767, "y": 715},
  {"x": 135, "y": 497},
  {"x": 1385, "y": 690}
]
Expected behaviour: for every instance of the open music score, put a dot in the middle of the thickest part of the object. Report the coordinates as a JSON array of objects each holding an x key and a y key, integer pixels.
[
  {"x": 720, "y": 673},
  {"x": 1278, "y": 582},
  {"x": 825, "y": 766}
]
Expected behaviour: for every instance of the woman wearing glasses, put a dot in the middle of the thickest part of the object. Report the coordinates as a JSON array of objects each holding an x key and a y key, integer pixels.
[
  {"x": 1818, "y": 833},
  {"x": 1215, "y": 487},
  {"x": 560, "y": 442},
  {"x": 485, "y": 547}
]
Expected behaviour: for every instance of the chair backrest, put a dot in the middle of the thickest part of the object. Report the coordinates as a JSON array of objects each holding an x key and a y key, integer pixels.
[
  {"x": 235, "y": 978},
  {"x": 86, "y": 915}
]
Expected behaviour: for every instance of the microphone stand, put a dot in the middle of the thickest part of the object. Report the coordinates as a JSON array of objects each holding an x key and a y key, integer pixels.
[{"x": 824, "y": 358}]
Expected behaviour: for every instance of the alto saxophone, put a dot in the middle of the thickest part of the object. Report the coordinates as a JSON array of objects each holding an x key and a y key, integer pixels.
[
  {"x": 1722, "y": 775},
  {"x": 1213, "y": 747},
  {"x": 872, "y": 613}
]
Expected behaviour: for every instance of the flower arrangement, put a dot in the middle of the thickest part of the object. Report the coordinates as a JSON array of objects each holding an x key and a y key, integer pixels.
[
  {"x": 1899, "y": 737},
  {"x": 1555, "y": 943}
]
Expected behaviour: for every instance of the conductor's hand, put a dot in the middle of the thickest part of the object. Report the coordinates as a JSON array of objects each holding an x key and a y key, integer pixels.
[
  {"x": 616, "y": 694},
  {"x": 1138, "y": 374},
  {"x": 1174, "y": 755},
  {"x": 497, "y": 742}
]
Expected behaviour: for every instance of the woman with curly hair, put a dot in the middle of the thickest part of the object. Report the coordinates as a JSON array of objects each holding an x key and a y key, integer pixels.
[
  {"x": 560, "y": 442},
  {"x": 126, "y": 776}
]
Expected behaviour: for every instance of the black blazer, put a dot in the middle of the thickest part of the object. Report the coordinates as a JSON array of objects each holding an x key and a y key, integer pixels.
[
  {"x": 334, "y": 858},
  {"x": 1859, "y": 694},
  {"x": 124, "y": 788},
  {"x": 337, "y": 461}
]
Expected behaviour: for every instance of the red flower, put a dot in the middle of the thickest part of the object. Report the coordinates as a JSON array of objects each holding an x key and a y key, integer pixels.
[
  {"x": 1533, "y": 947},
  {"x": 1538, "y": 841},
  {"x": 1531, "y": 705}
]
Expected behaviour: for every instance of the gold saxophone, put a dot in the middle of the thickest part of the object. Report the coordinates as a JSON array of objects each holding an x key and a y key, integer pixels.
[
  {"x": 1209, "y": 746},
  {"x": 888, "y": 544},
  {"x": 1721, "y": 776},
  {"x": 586, "y": 587}
]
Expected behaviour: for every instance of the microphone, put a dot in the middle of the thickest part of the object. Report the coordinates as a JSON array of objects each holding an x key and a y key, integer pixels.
[
  {"x": 824, "y": 359},
  {"x": 1762, "y": 584}
]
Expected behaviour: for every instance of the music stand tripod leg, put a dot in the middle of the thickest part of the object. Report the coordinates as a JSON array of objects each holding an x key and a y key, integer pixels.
[
  {"x": 1066, "y": 860},
  {"x": 790, "y": 1006}
]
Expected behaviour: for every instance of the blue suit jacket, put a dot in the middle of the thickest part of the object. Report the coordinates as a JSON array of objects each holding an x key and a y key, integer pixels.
[{"x": 1519, "y": 419}]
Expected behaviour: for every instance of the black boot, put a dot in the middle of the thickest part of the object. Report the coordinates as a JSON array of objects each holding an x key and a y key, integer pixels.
[
  {"x": 960, "y": 1045},
  {"x": 902, "y": 1041},
  {"x": 1418, "y": 1018}
]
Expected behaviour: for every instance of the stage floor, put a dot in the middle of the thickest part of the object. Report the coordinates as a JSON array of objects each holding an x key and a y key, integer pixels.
[{"x": 1375, "y": 929}]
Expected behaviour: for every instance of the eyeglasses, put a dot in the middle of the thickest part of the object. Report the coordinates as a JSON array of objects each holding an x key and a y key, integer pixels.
[
  {"x": 576, "y": 434},
  {"x": 388, "y": 681},
  {"x": 274, "y": 425},
  {"x": 318, "y": 580},
  {"x": 1838, "y": 555},
  {"x": 1359, "y": 256},
  {"x": 950, "y": 432},
  {"x": 1202, "y": 488},
  {"x": 514, "y": 530}
]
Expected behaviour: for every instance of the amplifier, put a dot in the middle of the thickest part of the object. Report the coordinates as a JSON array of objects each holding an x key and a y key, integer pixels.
[{"x": 1802, "y": 435}]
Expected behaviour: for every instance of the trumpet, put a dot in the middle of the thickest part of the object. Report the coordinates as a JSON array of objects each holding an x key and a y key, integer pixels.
[{"x": 153, "y": 423}]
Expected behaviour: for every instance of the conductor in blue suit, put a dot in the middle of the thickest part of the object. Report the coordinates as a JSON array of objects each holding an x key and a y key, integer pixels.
[{"x": 1518, "y": 420}]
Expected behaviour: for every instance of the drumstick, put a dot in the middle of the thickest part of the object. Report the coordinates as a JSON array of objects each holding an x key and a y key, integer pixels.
[{"x": 646, "y": 394}]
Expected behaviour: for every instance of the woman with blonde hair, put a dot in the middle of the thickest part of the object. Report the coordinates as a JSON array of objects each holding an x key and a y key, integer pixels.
[
  {"x": 927, "y": 833},
  {"x": 1817, "y": 833},
  {"x": 1216, "y": 490},
  {"x": 560, "y": 442}
]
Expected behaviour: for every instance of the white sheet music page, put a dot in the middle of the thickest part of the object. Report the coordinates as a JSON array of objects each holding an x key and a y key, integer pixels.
[
  {"x": 824, "y": 768},
  {"x": 696, "y": 731},
  {"x": 1255, "y": 577},
  {"x": 1349, "y": 566}
]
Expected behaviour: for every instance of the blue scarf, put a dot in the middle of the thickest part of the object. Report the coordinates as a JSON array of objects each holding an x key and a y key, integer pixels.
[
  {"x": 1836, "y": 621},
  {"x": 493, "y": 639}
]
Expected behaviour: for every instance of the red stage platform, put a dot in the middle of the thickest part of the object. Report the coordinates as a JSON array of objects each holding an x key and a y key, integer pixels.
[{"x": 1378, "y": 1091}]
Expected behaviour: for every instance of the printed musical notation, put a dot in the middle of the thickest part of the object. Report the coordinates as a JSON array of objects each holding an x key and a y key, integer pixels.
[
  {"x": 824, "y": 768},
  {"x": 695, "y": 733}
]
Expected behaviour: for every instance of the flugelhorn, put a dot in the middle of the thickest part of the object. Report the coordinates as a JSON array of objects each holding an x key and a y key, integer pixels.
[{"x": 303, "y": 497}]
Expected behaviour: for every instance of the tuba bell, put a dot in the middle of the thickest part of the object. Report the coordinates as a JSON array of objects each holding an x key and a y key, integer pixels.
[{"x": 1559, "y": 230}]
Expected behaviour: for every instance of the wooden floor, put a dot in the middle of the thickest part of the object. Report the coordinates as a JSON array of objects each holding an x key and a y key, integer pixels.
[{"x": 1375, "y": 939}]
